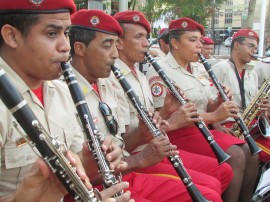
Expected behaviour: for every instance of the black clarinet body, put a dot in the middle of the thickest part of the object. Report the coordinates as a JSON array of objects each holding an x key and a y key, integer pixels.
[
  {"x": 92, "y": 134},
  {"x": 176, "y": 162},
  {"x": 254, "y": 149},
  {"x": 49, "y": 147},
  {"x": 219, "y": 153}
]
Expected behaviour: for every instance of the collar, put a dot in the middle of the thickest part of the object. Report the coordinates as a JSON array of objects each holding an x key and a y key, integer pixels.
[
  {"x": 84, "y": 84},
  {"x": 174, "y": 64},
  {"x": 124, "y": 69},
  {"x": 249, "y": 66}
]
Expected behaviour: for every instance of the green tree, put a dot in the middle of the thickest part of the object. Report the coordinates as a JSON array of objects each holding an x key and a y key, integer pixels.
[
  {"x": 198, "y": 10},
  {"x": 80, "y": 4}
]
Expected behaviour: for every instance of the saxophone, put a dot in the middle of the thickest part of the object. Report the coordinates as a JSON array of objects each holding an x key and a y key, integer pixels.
[{"x": 251, "y": 112}]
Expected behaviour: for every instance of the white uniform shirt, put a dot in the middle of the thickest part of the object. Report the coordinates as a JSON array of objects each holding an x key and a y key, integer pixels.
[
  {"x": 140, "y": 85},
  {"x": 108, "y": 94},
  {"x": 196, "y": 85},
  {"x": 57, "y": 118},
  {"x": 225, "y": 73}
]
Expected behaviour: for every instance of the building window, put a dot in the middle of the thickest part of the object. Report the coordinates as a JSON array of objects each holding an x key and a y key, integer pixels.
[
  {"x": 229, "y": 2},
  {"x": 217, "y": 17},
  {"x": 228, "y": 16}
]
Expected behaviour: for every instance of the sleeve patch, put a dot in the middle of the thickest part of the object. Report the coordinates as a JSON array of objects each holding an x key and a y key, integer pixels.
[{"x": 157, "y": 90}]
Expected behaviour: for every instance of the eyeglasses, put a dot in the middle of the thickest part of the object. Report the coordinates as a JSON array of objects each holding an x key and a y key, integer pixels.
[
  {"x": 250, "y": 46},
  {"x": 109, "y": 118}
]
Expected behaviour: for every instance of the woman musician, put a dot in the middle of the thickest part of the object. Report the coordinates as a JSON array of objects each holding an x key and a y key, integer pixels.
[{"x": 182, "y": 67}]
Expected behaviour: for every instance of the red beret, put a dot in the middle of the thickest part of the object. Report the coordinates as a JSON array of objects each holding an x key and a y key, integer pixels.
[
  {"x": 134, "y": 17},
  {"x": 96, "y": 20},
  {"x": 162, "y": 30},
  {"x": 186, "y": 24},
  {"x": 207, "y": 41},
  {"x": 37, "y": 6},
  {"x": 246, "y": 33}
]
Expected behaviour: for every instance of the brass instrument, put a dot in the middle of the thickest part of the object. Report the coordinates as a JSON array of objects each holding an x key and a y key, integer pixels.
[
  {"x": 250, "y": 113},
  {"x": 254, "y": 149}
]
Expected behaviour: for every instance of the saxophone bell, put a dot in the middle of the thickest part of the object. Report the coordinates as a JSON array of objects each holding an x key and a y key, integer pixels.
[{"x": 261, "y": 127}]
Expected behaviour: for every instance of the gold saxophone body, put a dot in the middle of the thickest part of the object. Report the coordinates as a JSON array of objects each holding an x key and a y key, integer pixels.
[{"x": 261, "y": 127}]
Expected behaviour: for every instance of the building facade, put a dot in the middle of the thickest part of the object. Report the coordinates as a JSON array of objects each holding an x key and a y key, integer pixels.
[{"x": 230, "y": 17}]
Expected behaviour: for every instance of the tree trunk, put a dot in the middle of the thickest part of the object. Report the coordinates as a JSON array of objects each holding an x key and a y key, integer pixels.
[
  {"x": 248, "y": 23},
  {"x": 267, "y": 29}
]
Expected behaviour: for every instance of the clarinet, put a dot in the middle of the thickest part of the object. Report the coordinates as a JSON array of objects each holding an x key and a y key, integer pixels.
[
  {"x": 254, "y": 149},
  {"x": 49, "y": 147},
  {"x": 92, "y": 134},
  {"x": 176, "y": 162},
  {"x": 220, "y": 154}
]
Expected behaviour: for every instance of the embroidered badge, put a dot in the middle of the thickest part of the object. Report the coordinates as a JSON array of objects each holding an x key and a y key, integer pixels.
[
  {"x": 136, "y": 18},
  {"x": 251, "y": 34},
  {"x": 94, "y": 20},
  {"x": 184, "y": 24},
  {"x": 157, "y": 90},
  {"x": 123, "y": 71},
  {"x": 22, "y": 141},
  {"x": 85, "y": 90},
  {"x": 36, "y": 2}
]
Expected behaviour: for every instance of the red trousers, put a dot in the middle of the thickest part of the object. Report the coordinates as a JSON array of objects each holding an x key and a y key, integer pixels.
[
  {"x": 204, "y": 170},
  {"x": 191, "y": 140},
  {"x": 264, "y": 144},
  {"x": 154, "y": 188}
]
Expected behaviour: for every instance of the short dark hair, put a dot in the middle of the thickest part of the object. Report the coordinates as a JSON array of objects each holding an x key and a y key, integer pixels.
[
  {"x": 165, "y": 38},
  {"x": 22, "y": 22},
  {"x": 239, "y": 40},
  {"x": 175, "y": 34},
  {"x": 84, "y": 36}
]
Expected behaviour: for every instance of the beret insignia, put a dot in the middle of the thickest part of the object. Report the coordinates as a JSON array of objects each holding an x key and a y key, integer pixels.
[
  {"x": 36, "y": 2},
  {"x": 94, "y": 20},
  {"x": 251, "y": 34},
  {"x": 136, "y": 18},
  {"x": 184, "y": 24}
]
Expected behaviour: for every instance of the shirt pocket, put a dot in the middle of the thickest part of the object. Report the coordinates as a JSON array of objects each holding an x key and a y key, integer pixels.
[{"x": 18, "y": 154}]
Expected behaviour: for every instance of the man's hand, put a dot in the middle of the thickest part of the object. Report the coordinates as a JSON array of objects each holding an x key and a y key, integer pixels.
[
  {"x": 146, "y": 135},
  {"x": 108, "y": 193},
  {"x": 185, "y": 116},
  {"x": 221, "y": 128},
  {"x": 264, "y": 106},
  {"x": 42, "y": 185},
  {"x": 113, "y": 155},
  {"x": 159, "y": 148},
  {"x": 227, "y": 91},
  {"x": 226, "y": 110},
  {"x": 171, "y": 104}
]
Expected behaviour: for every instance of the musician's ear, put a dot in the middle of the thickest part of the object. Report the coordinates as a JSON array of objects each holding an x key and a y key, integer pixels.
[
  {"x": 119, "y": 44},
  {"x": 11, "y": 36},
  {"x": 79, "y": 48},
  {"x": 175, "y": 43},
  {"x": 237, "y": 45}
]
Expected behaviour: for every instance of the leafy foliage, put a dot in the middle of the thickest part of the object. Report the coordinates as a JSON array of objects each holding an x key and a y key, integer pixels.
[{"x": 198, "y": 10}]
